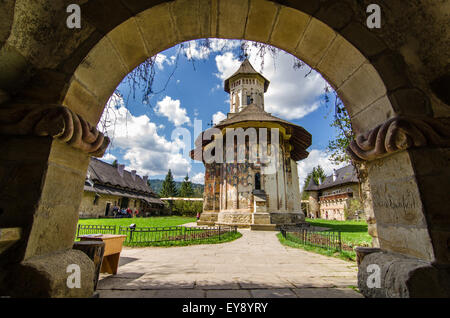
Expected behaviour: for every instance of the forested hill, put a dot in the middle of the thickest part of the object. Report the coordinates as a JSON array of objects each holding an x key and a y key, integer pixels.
[{"x": 156, "y": 185}]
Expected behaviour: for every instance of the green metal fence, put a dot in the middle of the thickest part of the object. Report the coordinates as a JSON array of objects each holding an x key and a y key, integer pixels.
[
  {"x": 142, "y": 235},
  {"x": 318, "y": 237}
]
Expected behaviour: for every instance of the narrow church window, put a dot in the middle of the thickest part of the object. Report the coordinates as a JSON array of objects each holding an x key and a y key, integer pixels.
[{"x": 257, "y": 181}]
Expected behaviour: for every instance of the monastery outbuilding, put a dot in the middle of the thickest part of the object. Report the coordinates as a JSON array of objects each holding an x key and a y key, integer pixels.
[
  {"x": 331, "y": 199},
  {"x": 107, "y": 186}
]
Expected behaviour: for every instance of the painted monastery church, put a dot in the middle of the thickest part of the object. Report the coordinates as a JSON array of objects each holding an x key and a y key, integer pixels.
[{"x": 244, "y": 188}]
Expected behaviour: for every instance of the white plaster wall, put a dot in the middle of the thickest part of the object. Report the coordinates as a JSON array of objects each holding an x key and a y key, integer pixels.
[{"x": 295, "y": 187}]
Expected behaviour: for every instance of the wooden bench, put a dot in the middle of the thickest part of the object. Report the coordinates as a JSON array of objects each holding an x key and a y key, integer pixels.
[{"x": 113, "y": 248}]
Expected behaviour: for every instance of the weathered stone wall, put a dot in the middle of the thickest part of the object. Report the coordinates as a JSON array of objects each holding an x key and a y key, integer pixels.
[
  {"x": 368, "y": 205},
  {"x": 89, "y": 210},
  {"x": 208, "y": 218},
  {"x": 235, "y": 218},
  {"x": 398, "y": 209},
  {"x": 46, "y": 178},
  {"x": 281, "y": 218},
  {"x": 400, "y": 276}
]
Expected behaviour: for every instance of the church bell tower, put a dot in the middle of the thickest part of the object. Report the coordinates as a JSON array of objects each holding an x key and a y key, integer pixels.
[{"x": 246, "y": 87}]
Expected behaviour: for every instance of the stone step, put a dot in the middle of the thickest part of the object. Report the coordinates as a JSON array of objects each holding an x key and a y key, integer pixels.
[{"x": 263, "y": 227}]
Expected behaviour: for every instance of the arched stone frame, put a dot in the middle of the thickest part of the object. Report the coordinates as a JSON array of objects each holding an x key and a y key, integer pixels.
[{"x": 354, "y": 61}]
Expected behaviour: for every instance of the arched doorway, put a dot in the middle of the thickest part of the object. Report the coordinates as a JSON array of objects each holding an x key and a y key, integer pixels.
[{"x": 372, "y": 81}]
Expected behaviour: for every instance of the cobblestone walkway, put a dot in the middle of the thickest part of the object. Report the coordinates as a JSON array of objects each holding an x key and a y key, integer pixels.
[{"x": 254, "y": 266}]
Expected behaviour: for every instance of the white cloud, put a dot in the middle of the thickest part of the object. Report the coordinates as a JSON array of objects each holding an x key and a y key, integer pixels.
[
  {"x": 171, "y": 109},
  {"x": 227, "y": 64},
  {"x": 315, "y": 158},
  {"x": 198, "y": 178},
  {"x": 160, "y": 59},
  {"x": 218, "y": 117},
  {"x": 109, "y": 158},
  {"x": 291, "y": 95},
  {"x": 137, "y": 137},
  {"x": 194, "y": 50}
]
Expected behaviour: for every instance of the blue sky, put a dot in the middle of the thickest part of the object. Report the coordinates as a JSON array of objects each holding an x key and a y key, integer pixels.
[{"x": 142, "y": 133}]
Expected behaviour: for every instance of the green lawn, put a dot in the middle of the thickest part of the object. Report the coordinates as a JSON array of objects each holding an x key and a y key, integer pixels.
[
  {"x": 352, "y": 232},
  {"x": 162, "y": 222},
  {"x": 291, "y": 242},
  {"x": 158, "y": 221},
  {"x": 227, "y": 237}
]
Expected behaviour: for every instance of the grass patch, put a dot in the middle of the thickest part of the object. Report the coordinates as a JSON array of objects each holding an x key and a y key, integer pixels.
[
  {"x": 155, "y": 221},
  {"x": 292, "y": 241},
  {"x": 353, "y": 233},
  {"x": 163, "y": 221},
  {"x": 227, "y": 237}
]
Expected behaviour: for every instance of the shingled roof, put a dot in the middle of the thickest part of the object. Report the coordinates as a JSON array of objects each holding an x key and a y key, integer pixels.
[
  {"x": 246, "y": 69},
  {"x": 300, "y": 138},
  {"x": 343, "y": 176},
  {"x": 105, "y": 175}
]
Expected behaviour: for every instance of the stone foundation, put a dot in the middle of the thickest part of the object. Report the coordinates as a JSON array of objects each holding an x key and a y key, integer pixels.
[
  {"x": 280, "y": 218},
  {"x": 47, "y": 276},
  {"x": 208, "y": 218},
  {"x": 257, "y": 221},
  {"x": 239, "y": 219},
  {"x": 400, "y": 276}
]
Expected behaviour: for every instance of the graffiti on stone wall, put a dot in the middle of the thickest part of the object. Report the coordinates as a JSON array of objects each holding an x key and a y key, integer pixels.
[{"x": 387, "y": 199}]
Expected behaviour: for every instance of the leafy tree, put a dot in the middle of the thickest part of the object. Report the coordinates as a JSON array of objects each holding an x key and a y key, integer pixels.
[
  {"x": 352, "y": 208},
  {"x": 115, "y": 164},
  {"x": 317, "y": 175},
  {"x": 169, "y": 188},
  {"x": 187, "y": 208},
  {"x": 342, "y": 122},
  {"x": 186, "y": 190},
  {"x": 338, "y": 146}
]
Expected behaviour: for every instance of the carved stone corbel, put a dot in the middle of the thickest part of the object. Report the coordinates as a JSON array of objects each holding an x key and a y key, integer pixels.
[
  {"x": 55, "y": 121},
  {"x": 400, "y": 133}
]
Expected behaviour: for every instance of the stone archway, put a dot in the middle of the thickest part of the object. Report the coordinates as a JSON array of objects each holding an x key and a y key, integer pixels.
[{"x": 391, "y": 107}]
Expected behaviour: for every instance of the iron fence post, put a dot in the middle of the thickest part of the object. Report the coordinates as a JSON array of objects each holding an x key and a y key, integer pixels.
[
  {"x": 340, "y": 243},
  {"x": 131, "y": 234}
]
